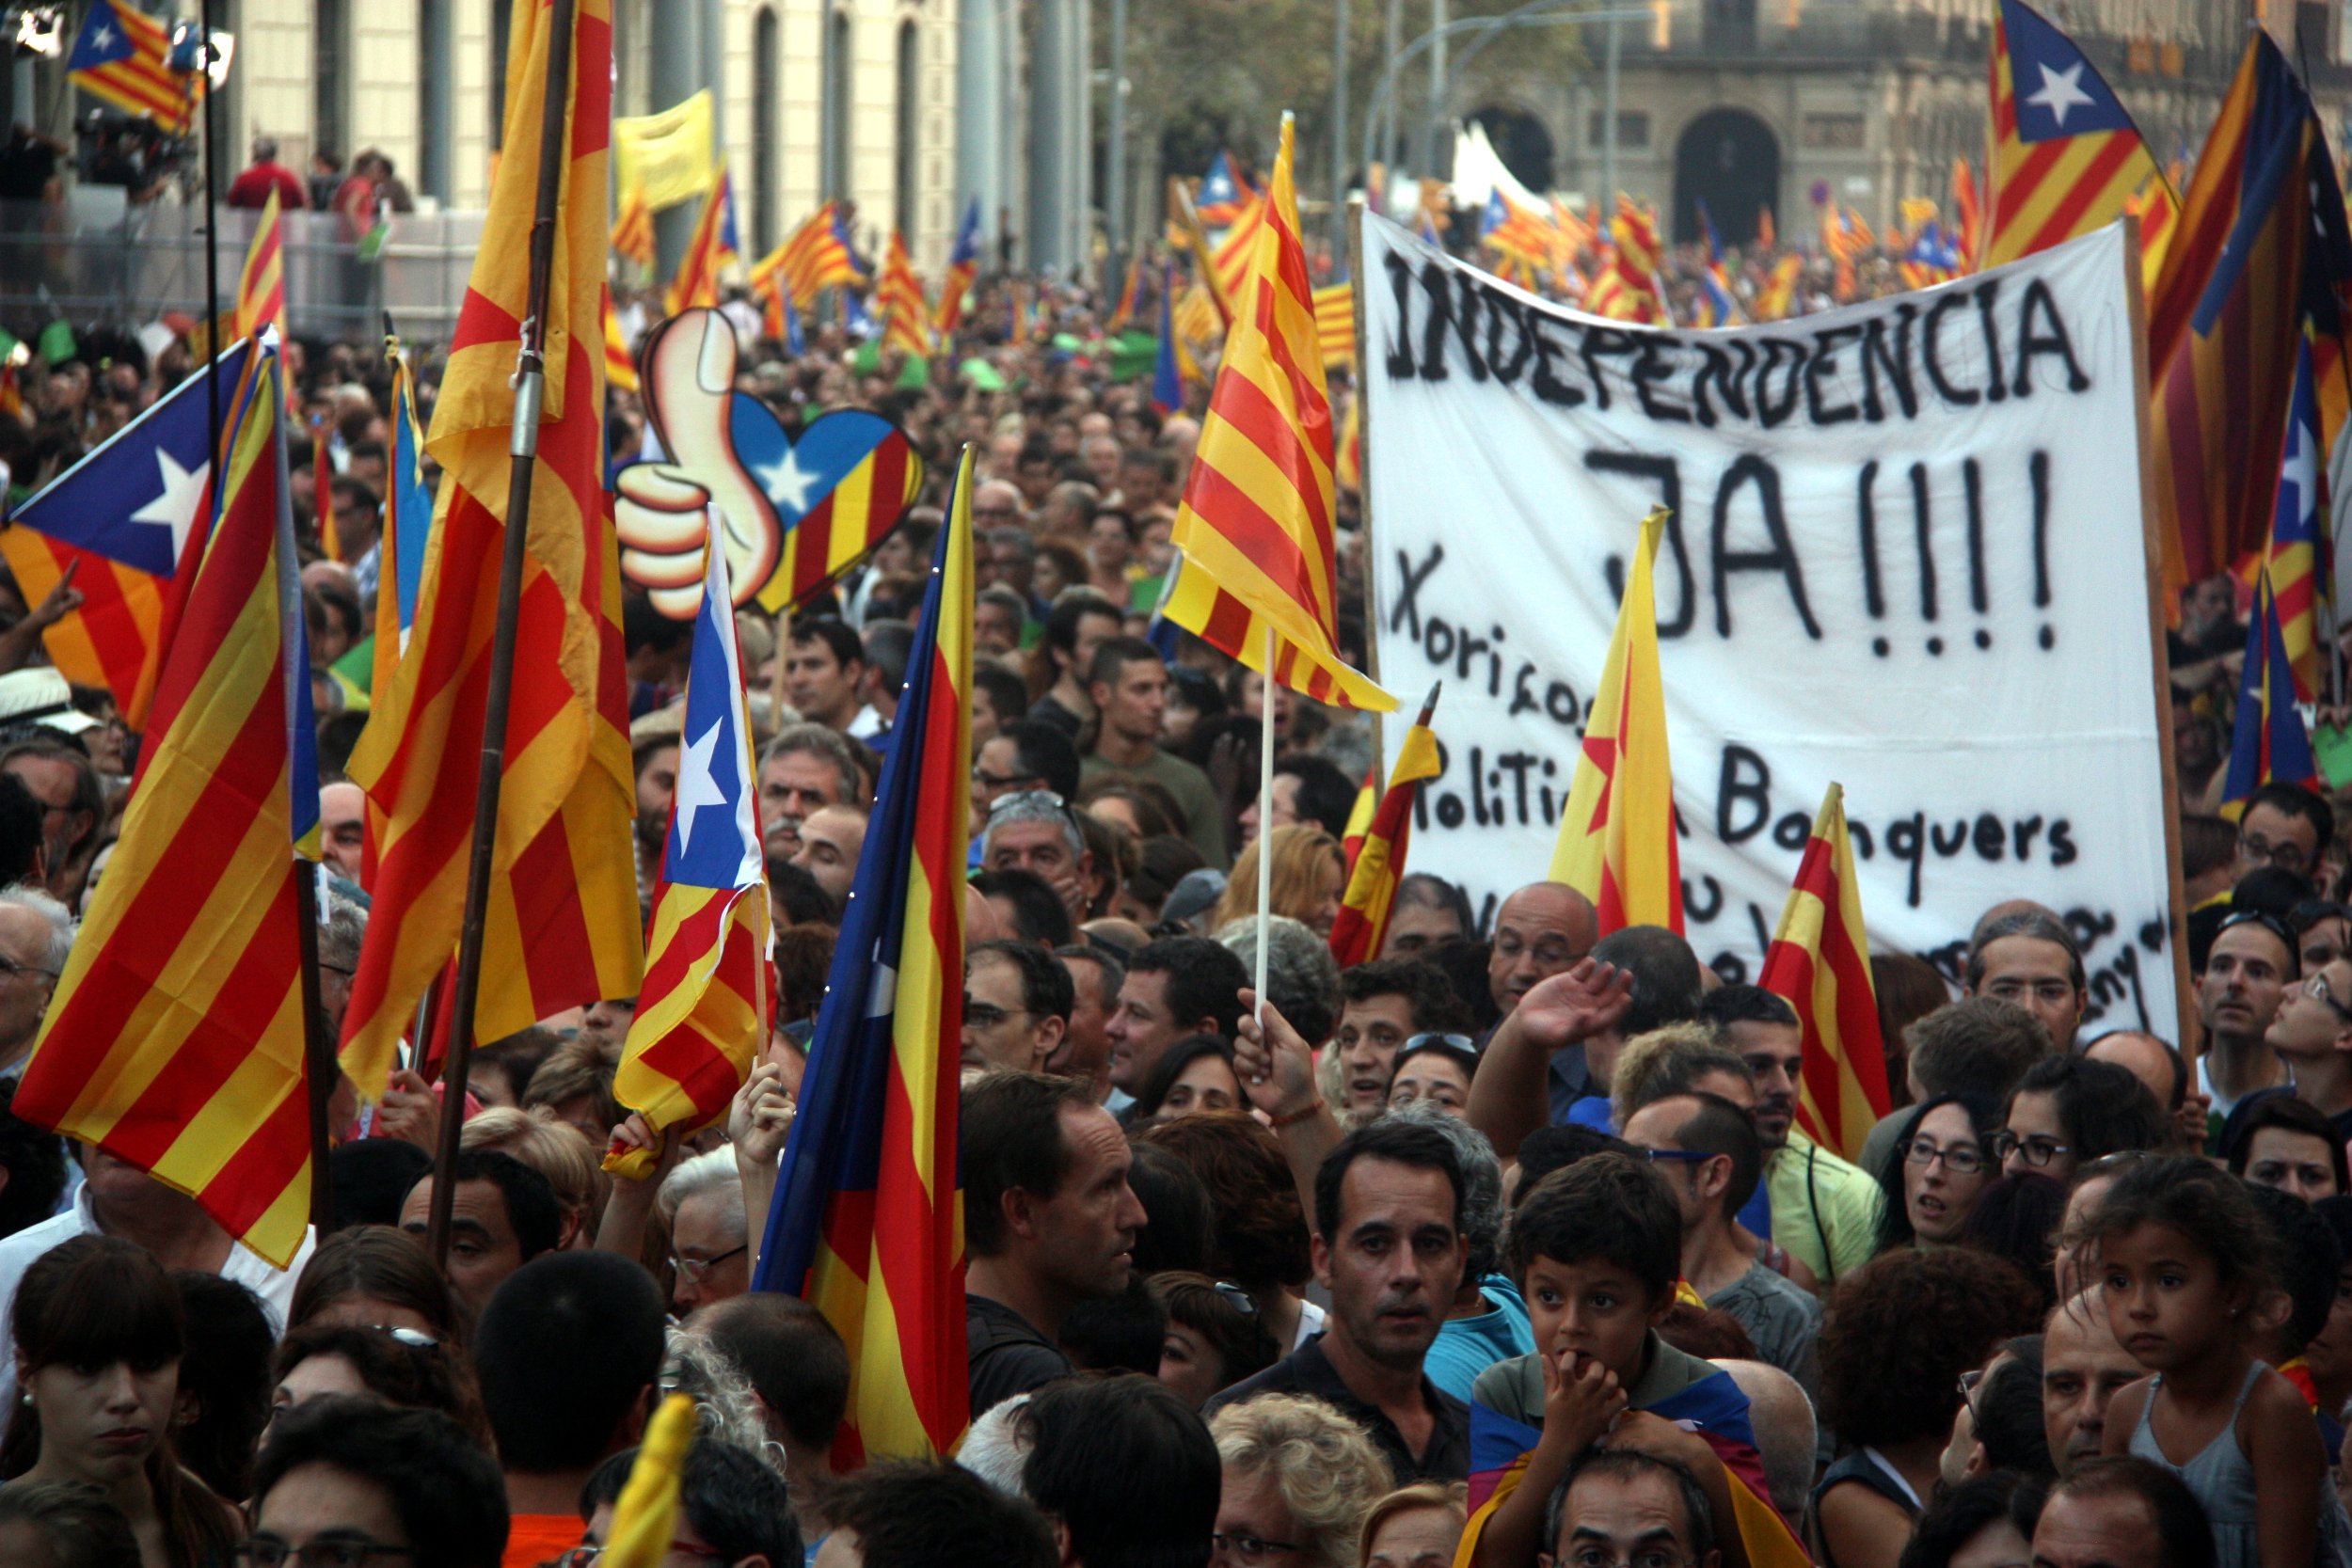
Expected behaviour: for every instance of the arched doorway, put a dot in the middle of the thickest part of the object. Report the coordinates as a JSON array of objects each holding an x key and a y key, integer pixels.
[
  {"x": 1522, "y": 143},
  {"x": 1730, "y": 160}
]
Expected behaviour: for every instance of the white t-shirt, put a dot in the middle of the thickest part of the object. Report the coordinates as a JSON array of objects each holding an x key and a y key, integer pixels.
[{"x": 246, "y": 1266}]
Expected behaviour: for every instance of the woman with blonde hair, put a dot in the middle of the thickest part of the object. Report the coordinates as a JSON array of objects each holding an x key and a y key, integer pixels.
[
  {"x": 1309, "y": 874},
  {"x": 1298, "y": 1475},
  {"x": 1415, "y": 1526},
  {"x": 557, "y": 1150}
]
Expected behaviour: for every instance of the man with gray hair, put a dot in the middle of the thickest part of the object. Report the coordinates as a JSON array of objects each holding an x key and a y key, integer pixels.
[
  {"x": 701, "y": 1203},
  {"x": 1035, "y": 830},
  {"x": 36, "y": 934},
  {"x": 343, "y": 926},
  {"x": 252, "y": 187},
  {"x": 805, "y": 767}
]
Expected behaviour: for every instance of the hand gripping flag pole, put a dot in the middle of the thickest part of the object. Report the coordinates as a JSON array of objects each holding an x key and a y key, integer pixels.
[{"x": 530, "y": 392}]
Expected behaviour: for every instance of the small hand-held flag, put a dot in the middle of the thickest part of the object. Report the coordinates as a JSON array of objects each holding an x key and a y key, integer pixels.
[
  {"x": 2294, "y": 554},
  {"x": 1377, "y": 863},
  {"x": 1261, "y": 578},
  {"x": 261, "y": 283},
  {"x": 866, "y": 1223},
  {"x": 963, "y": 265},
  {"x": 175, "y": 1040},
  {"x": 645, "y": 1515},
  {"x": 1820, "y": 964},
  {"x": 703, "y": 1012},
  {"x": 1616, "y": 841},
  {"x": 2270, "y": 744}
]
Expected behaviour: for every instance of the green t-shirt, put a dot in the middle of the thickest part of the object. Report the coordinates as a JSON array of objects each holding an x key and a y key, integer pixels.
[{"x": 1204, "y": 827}]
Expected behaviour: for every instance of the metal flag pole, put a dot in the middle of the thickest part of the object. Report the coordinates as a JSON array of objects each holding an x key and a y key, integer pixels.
[
  {"x": 523, "y": 450},
  {"x": 212, "y": 344}
]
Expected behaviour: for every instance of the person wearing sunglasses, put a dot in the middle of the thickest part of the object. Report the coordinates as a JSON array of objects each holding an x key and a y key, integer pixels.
[
  {"x": 345, "y": 1482},
  {"x": 733, "y": 1511},
  {"x": 2312, "y": 1036},
  {"x": 2247, "y": 971}
]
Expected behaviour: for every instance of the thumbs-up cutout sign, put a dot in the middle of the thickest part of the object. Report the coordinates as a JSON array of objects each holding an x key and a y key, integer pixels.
[{"x": 660, "y": 511}]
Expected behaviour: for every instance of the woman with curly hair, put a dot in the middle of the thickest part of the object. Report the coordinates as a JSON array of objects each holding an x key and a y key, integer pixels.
[
  {"x": 1899, "y": 1332},
  {"x": 1296, "y": 1471},
  {"x": 1309, "y": 874},
  {"x": 1261, "y": 1227}
]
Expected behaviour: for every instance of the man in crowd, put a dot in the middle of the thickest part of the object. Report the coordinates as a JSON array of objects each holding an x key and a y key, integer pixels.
[
  {"x": 1016, "y": 1007},
  {"x": 2284, "y": 826},
  {"x": 1665, "y": 975},
  {"x": 2026, "y": 955},
  {"x": 72, "y": 801},
  {"x": 886, "y": 645},
  {"x": 2311, "y": 1034},
  {"x": 823, "y": 671},
  {"x": 2122, "y": 1512},
  {"x": 2083, "y": 1366},
  {"x": 1624, "y": 1504},
  {"x": 1389, "y": 1246},
  {"x": 1027, "y": 754},
  {"x": 353, "y": 1476},
  {"x": 1085, "y": 1052},
  {"x": 1541, "y": 930},
  {"x": 701, "y": 1203},
  {"x": 36, "y": 936},
  {"x": 800, "y": 1369},
  {"x": 343, "y": 829},
  {"x": 1039, "y": 833},
  {"x": 1049, "y": 1221},
  {"x": 2247, "y": 971},
  {"x": 1174, "y": 987},
  {"x": 253, "y": 183},
  {"x": 502, "y": 1214},
  {"x": 830, "y": 838},
  {"x": 1386, "y": 1003},
  {"x": 1128, "y": 685},
  {"x": 2158, "y": 1066},
  {"x": 805, "y": 767}
]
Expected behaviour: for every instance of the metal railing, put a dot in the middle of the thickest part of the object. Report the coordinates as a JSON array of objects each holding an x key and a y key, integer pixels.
[{"x": 94, "y": 260}]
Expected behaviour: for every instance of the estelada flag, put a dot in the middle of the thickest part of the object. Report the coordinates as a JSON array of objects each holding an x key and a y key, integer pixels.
[
  {"x": 122, "y": 55},
  {"x": 1377, "y": 862},
  {"x": 868, "y": 1222},
  {"x": 702, "y": 1015},
  {"x": 1616, "y": 841},
  {"x": 563, "y": 922},
  {"x": 1820, "y": 964},
  {"x": 126, "y": 520},
  {"x": 963, "y": 265},
  {"x": 175, "y": 1039},
  {"x": 2270, "y": 743},
  {"x": 1255, "y": 524}
]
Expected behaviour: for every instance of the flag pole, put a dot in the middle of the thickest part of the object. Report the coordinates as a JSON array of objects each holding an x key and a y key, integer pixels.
[
  {"x": 522, "y": 449},
  {"x": 1265, "y": 813},
  {"x": 211, "y": 227}
]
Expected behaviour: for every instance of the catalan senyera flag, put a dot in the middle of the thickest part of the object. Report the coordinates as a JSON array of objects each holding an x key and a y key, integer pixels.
[
  {"x": 1350, "y": 468},
  {"x": 2225, "y": 321},
  {"x": 898, "y": 295},
  {"x": 620, "y": 371},
  {"x": 1779, "y": 294},
  {"x": 702, "y": 1013},
  {"x": 2270, "y": 743},
  {"x": 868, "y": 1222},
  {"x": 2298, "y": 577},
  {"x": 1232, "y": 255},
  {"x": 122, "y": 57},
  {"x": 1335, "y": 323},
  {"x": 2063, "y": 155},
  {"x": 175, "y": 1039},
  {"x": 1820, "y": 964},
  {"x": 818, "y": 256},
  {"x": 632, "y": 230},
  {"x": 1122, "y": 314},
  {"x": 322, "y": 489},
  {"x": 1360, "y": 815},
  {"x": 963, "y": 266},
  {"x": 1638, "y": 250},
  {"x": 1376, "y": 865},
  {"x": 1967, "y": 215},
  {"x": 1616, "y": 843},
  {"x": 645, "y": 1515},
  {"x": 262, "y": 282},
  {"x": 709, "y": 253},
  {"x": 563, "y": 923},
  {"x": 128, "y": 520},
  {"x": 1260, "y": 577}
]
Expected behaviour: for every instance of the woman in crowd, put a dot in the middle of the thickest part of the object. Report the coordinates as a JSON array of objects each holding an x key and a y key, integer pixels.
[
  {"x": 1437, "y": 1071},
  {"x": 373, "y": 1277},
  {"x": 1414, "y": 1527},
  {"x": 2068, "y": 1111},
  {"x": 98, "y": 1336},
  {"x": 2282, "y": 1142},
  {"x": 1192, "y": 1075},
  {"x": 1260, "y": 1224},
  {"x": 1942, "y": 1163},
  {"x": 1297, "y": 1472},
  {"x": 398, "y": 1366},
  {"x": 1215, "y": 1338},
  {"x": 1309, "y": 874}
]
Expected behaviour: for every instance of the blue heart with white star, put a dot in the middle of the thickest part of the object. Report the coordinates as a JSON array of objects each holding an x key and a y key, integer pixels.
[{"x": 798, "y": 475}]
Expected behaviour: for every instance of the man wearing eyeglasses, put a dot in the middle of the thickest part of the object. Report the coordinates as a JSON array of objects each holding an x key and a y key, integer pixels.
[
  {"x": 1016, "y": 1007},
  {"x": 2251, "y": 964},
  {"x": 2312, "y": 1036},
  {"x": 1622, "y": 1507},
  {"x": 2286, "y": 826},
  {"x": 1035, "y": 830},
  {"x": 36, "y": 934}
]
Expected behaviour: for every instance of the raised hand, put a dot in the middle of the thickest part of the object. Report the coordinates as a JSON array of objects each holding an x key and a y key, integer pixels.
[
  {"x": 1575, "y": 1005},
  {"x": 1275, "y": 1064}
]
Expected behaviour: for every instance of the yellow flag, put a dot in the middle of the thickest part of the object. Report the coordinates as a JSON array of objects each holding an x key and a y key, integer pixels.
[
  {"x": 667, "y": 157},
  {"x": 644, "y": 1520}
]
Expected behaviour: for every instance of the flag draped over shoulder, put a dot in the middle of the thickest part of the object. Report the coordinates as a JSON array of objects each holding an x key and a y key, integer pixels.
[
  {"x": 563, "y": 923},
  {"x": 262, "y": 282},
  {"x": 2064, "y": 157},
  {"x": 867, "y": 1221},
  {"x": 175, "y": 1040},
  {"x": 1255, "y": 523},
  {"x": 1820, "y": 964},
  {"x": 2270, "y": 744},
  {"x": 1616, "y": 843},
  {"x": 702, "y": 1013},
  {"x": 1375, "y": 863},
  {"x": 128, "y": 520}
]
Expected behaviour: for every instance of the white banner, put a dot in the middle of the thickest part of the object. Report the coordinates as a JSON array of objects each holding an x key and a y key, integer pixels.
[{"x": 1906, "y": 555}]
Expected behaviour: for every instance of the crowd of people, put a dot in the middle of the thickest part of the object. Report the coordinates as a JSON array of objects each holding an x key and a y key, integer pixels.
[{"x": 1503, "y": 1247}]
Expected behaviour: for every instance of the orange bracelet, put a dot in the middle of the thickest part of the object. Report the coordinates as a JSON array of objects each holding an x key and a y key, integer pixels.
[{"x": 1292, "y": 1119}]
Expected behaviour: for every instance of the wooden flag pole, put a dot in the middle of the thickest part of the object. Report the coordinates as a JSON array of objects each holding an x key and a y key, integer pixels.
[
  {"x": 522, "y": 449},
  {"x": 213, "y": 347},
  {"x": 1265, "y": 815}
]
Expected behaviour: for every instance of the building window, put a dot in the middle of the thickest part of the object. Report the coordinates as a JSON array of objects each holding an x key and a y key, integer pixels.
[
  {"x": 1633, "y": 129},
  {"x": 902, "y": 162},
  {"x": 764, "y": 47},
  {"x": 1845, "y": 132},
  {"x": 834, "y": 150},
  {"x": 433, "y": 100},
  {"x": 331, "y": 75}
]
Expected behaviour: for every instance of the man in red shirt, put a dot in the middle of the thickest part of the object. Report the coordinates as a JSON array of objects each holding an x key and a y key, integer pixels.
[{"x": 252, "y": 187}]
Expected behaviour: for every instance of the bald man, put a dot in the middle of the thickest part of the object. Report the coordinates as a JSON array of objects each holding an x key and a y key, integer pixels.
[
  {"x": 1785, "y": 1432},
  {"x": 1532, "y": 1072},
  {"x": 343, "y": 829},
  {"x": 1542, "y": 930}
]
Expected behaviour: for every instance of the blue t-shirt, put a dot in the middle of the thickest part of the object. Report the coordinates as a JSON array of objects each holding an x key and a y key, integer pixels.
[{"x": 1466, "y": 1346}]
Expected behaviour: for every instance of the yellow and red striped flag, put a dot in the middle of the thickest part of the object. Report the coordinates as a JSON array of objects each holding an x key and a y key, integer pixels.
[
  {"x": 122, "y": 55},
  {"x": 1779, "y": 294},
  {"x": 1360, "y": 815},
  {"x": 563, "y": 926},
  {"x": 1255, "y": 523},
  {"x": 964, "y": 267},
  {"x": 1376, "y": 865},
  {"x": 1820, "y": 964},
  {"x": 868, "y": 1222},
  {"x": 1617, "y": 831},
  {"x": 702, "y": 1015},
  {"x": 175, "y": 1037},
  {"x": 1232, "y": 255},
  {"x": 1967, "y": 215},
  {"x": 709, "y": 253},
  {"x": 899, "y": 295},
  {"x": 1635, "y": 232},
  {"x": 620, "y": 371},
  {"x": 1122, "y": 314},
  {"x": 262, "y": 282},
  {"x": 1335, "y": 323},
  {"x": 632, "y": 230}
]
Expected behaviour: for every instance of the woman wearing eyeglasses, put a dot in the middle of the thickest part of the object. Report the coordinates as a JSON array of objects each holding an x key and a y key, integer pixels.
[
  {"x": 99, "y": 1336},
  {"x": 2068, "y": 1111},
  {"x": 1941, "y": 1162}
]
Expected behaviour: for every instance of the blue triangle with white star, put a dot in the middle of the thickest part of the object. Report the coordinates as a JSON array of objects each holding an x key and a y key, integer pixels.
[{"x": 2058, "y": 91}]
